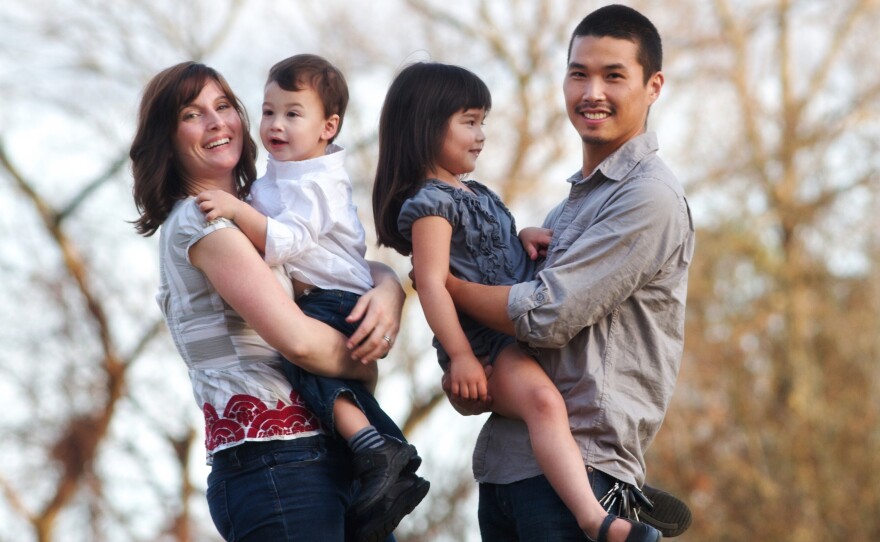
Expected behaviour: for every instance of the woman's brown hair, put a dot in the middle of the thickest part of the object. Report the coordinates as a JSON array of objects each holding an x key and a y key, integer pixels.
[{"x": 159, "y": 181}]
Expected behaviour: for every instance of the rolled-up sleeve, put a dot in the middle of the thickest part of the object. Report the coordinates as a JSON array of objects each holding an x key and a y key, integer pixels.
[
  {"x": 598, "y": 260},
  {"x": 282, "y": 241},
  {"x": 296, "y": 230}
]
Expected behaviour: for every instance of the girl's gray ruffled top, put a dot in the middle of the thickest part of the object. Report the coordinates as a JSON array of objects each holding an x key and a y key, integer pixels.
[{"x": 484, "y": 247}]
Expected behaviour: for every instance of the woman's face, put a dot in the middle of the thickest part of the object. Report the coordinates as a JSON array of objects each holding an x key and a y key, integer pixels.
[{"x": 208, "y": 141}]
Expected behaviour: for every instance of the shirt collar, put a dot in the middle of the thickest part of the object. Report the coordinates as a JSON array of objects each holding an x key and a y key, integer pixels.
[
  {"x": 619, "y": 163},
  {"x": 334, "y": 157}
]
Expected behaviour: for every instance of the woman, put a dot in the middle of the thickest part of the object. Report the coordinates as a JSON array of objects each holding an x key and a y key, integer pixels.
[{"x": 274, "y": 475}]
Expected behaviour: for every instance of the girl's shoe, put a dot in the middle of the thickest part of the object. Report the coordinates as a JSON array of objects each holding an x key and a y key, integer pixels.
[{"x": 639, "y": 532}]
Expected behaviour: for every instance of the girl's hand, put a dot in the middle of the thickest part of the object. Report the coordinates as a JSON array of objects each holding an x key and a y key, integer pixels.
[
  {"x": 535, "y": 241},
  {"x": 218, "y": 204},
  {"x": 379, "y": 312},
  {"x": 467, "y": 378},
  {"x": 466, "y": 407}
]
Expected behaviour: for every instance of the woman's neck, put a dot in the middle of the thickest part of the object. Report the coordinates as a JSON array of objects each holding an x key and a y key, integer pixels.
[{"x": 197, "y": 186}]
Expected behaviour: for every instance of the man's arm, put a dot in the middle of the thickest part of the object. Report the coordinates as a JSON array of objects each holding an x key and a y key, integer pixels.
[
  {"x": 621, "y": 250},
  {"x": 485, "y": 304}
]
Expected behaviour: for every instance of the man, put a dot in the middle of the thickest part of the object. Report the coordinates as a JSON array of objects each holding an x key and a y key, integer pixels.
[{"x": 605, "y": 312}]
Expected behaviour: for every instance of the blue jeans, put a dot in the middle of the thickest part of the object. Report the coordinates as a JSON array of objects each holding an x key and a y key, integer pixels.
[
  {"x": 531, "y": 511},
  {"x": 320, "y": 393},
  {"x": 281, "y": 490}
]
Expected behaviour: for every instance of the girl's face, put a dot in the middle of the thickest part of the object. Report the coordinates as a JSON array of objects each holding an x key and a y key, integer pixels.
[
  {"x": 461, "y": 145},
  {"x": 208, "y": 140}
]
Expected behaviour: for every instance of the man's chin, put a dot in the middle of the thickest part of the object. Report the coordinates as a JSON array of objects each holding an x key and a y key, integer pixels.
[{"x": 594, "y": 140}]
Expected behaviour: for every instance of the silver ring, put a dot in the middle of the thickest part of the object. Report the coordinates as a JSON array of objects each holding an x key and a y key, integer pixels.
[{"x": 388, "y": 339}]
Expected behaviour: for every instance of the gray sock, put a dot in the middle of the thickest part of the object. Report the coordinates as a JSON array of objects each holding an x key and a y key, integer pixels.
[{"x": 365, "y": 439}]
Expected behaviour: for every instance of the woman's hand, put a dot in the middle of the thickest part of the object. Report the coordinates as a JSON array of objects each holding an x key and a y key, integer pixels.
[{"x": 379, "y": 312}]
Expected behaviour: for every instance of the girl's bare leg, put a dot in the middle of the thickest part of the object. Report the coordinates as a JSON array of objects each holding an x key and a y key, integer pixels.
[{"x": 521, "y": 389}]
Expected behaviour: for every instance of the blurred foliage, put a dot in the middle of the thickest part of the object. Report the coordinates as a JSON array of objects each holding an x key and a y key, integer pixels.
[{"x": 769, "y": 115}]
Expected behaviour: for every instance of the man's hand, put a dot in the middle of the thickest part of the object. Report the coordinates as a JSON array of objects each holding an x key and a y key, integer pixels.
[{"x": 467, "y": 407}]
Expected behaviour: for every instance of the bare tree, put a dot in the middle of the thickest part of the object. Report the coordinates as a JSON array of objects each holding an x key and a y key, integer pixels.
[
  {"x": 769, "y": 114},
  {"x": 776, "y": 421},
  {"x": 77, "y": 329}
]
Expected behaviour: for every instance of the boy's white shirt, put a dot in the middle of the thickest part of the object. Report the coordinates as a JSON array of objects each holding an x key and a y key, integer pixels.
[{"x": 313, "y": 229}]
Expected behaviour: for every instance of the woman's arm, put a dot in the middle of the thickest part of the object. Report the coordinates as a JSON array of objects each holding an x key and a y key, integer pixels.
[
  {"x": 431, "y": 239},
  {"x": 243, "y": 280}
]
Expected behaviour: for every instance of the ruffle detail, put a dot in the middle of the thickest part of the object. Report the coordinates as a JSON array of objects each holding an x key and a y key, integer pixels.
[{"x": 485, "y": 240}]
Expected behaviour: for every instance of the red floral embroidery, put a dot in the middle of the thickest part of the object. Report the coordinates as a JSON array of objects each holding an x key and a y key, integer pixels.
[
  {"x": 247, "y": 416},
  {"x": 243, "y": 409}
]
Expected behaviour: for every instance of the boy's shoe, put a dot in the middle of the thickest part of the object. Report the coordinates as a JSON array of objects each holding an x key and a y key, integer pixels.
[
  {"x": 376, "y": 523},
  {"x": 670, "y": 515},
  {"x": 377, "y": 469}
]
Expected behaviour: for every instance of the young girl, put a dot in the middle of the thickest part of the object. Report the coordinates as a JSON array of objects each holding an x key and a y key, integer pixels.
[{"x": 430, "y": 136}]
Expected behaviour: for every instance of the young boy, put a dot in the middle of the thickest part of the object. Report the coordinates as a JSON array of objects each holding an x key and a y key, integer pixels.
[{"x": 302, "y": 216}]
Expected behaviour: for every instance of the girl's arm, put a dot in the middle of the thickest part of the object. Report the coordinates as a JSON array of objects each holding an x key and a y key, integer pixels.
[
  {"x": 535, "y": 241},
  {"x": 218, "y": 203},
  {"x": 431, "y": 239},
  {"x": 379, "y": 311},
  {"x": 244, "y": 281}
]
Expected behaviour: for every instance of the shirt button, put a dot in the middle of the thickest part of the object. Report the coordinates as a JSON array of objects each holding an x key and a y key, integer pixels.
[{"x": 540, "y": 297}]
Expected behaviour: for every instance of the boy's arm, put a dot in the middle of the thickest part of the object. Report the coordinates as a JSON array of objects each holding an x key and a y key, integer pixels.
[{"x": 217, "y": 203}]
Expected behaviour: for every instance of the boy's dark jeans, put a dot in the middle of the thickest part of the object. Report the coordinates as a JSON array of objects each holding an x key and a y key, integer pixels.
[{"x": 320, "y": 393}]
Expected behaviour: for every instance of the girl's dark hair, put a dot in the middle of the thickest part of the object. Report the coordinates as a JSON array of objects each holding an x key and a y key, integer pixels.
[
  {"x": 159, "y": 181},
  {"x": 413, "y": 124}
]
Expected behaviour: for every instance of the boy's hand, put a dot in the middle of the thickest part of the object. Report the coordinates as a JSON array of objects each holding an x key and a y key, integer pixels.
[
  {"x": 218, "y": 204},
  {"x": 535, "y": 241},
  {"x": 467, "y": 378}
]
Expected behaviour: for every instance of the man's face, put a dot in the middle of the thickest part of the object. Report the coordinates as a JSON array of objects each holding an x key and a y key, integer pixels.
[{"x": 605, "y": 94}]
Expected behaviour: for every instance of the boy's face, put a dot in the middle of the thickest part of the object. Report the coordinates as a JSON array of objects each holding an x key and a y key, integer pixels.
[{"x": 293, "y": 126}]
